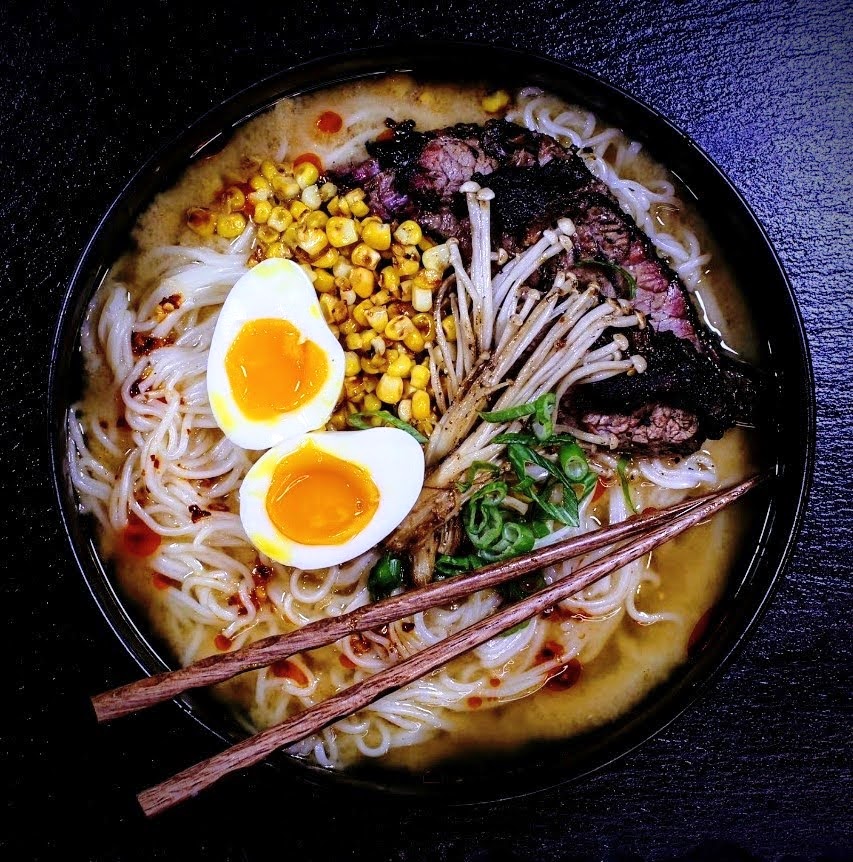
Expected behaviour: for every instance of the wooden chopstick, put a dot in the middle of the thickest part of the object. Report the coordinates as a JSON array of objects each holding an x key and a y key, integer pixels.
[
  {"x": 217, "y": 668},
  {"x": 254, "y": 749}
]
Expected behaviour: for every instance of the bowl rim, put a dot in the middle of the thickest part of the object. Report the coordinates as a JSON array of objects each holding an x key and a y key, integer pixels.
[{"x": 678, "y": 692}]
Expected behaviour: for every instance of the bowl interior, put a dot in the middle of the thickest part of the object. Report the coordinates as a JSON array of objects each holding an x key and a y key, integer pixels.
[{"x": 789, "y": 432}]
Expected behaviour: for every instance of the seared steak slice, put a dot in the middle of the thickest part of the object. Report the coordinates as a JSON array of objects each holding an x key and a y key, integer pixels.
[{"x": 690, "y": 391}]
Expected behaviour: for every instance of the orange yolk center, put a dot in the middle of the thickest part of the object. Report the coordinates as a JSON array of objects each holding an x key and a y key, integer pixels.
[
  {"x": 272, "y": 370},
  {"x": 318, "y": 499}
]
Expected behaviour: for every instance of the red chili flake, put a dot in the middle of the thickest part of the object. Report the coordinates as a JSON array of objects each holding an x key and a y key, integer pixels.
[
  {"x": 550, "y": 650},
  {"x": 387, "y": 135},
  {"x": 156, "y": 462},
  {"x": 261, "y": 573},
  {"x": 222, "y": 643},
  {"x": 134, "y": 388},
  {"x": 697, "y": 636},
  {"x": 142, "y": 344},
  {"x": 313, "y": 158},
  {"x": 347, "y": 662},
  {"x": 138, "y": 538},
  {"x": 287, "y": 669},
  {"x": 566, "y": 677},
  {"x": 162, "y": 582},
  {"x": 329, "y": 122},
  {"x": 197, "y": 513},
  {"x": 235, "y": 601},
  {"x": 494, "y": 682},
  {"x": 360, "y": 645},
  {"x": 475, "y": 702}
]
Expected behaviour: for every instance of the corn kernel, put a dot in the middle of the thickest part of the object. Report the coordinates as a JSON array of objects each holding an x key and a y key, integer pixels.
[
  {"x": 421, "y": 299},
  {"x": 398, "y": 327},
  {"x": 286, "y": 188},
  {"x": 230, "y": 225},
  {"x": 349, "y": 327},
  {"x": 268, "y": 170},
  {"x": 359, "y": 209},
  {"x": 343, "y": 207},
  {"x": 317, "y": 218},
  {"x": 328, "y": 191},
  {"x": 201, "y": 221},
  {"x": 278, "y": 249},
  {"x": 311, "y": 197},
  {"x": 377, "y": 235},
  {"x": 363, "y": 281},
  {"x": 347, "y": 295},
  {"x": 448, "y": 324},
  {"x": 377, "y": 317},
  {"x": 400, "y": 367},
  {"x": 338, "y": 420},
  {"x": 371, "y": 402},
  {"x": 279, "y": 218},
  {"x": 359, "y": 312},
  {"x": 342, "y": 268},
  {"x": 313, "y": 240},
  {"x": 370, "y": 383},
  {"x": 406, "y": 259},
  {"x": 419, "y": 377},
  {"x": 408, "y": 233},
  {"x": 326, "y": 260},
  {"x": 389, "y": 389},
  {"x": 354, "y": 389},
  {"x": 425, "y": 324},
  {"x": 381, "y": 297},
  {"x": 341, "y": 231},
  {"x": 374, "y": 365},
  {"x": 436, "y": 258},
  {"x": 262, "y": 212},
  {"x": 306, "y": 174},
  {"x": 427, "y": 278},
  {"x": 266, "y": 234},
  {"x": 333, "y": 206},
  {"x": 323, "y": 281},
  {"x": 404, "y": 409},
  {"x": 495, "y": 102},
  {"x": 364, "y": 255},
  {"x": 233, "y": 199},
  {"x": 353, "y": 342},
  {"x": 420, "y": 404},
  {"x": 291, "y": 236},
  {"x": 414, "y": 341},
  {"x": 351, "y": 366},
  {"x": 426, "y": 243},
  {"x": 367, "y": 339},
  {"x": 259, "y": 183},
  {"x": 389, "y": 279},
  {"x": 297, "y": 208}
]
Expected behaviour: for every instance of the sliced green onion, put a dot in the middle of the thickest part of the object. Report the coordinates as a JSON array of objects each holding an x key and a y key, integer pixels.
[
  {"x": 475, "y": 468},
  {"x": 385, "y": 577},
  {"x": 515, "y": 539},
  {"x": 492, "y": 494},
  {"x": 622, "y": 470},
  {"x": 447, "y": 566},
  {"x": 360, "y": 421},
  {"x": 542, "y": 408},
  {"x": 573, "y": 461},
  {"x": 540, "y": 528},
  {"x": 632, "y": 282},
  {"x": 483, "y": 524},
  {"x": 532, "y": 440}
]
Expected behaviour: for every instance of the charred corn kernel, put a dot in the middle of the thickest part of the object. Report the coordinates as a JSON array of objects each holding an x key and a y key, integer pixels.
[
  {"x": 338, "y": 420},
  {"x": 389, "y": 389},
  {"x": 353, "y": 341},
  {"x": 341, "y": 231},
  {"x": 377, "y": 235},
  {"x": 400, "y": 367},
  {"x": 377, "y": 317},
  {"x": 306, "y": 174},
  {"x": 408, "y": 233},
  {"x": 267, "y": 234},
  {"x": 349, "y": 327},
  {"x": 327, "y": 259},
  {"x": 277, "y": 249},
  {"x": 285, "y": 188},
  {"x": 279, "y": 218},
  {"x": 316, "y": 219},
  {"x": 377, "y": 344},
  {"x": 351, "y": 366},
  {"x": 262, "y": 212},
  {"x": 327, "y": 303},
  {"x": 342, "y": 267},
  {"x": 381, "y": 297},
  {"x": 420, "y": 404},
  {"x": 404, "y": 409},
  {"x": 406, "y": 290},
  {"x": 328, "y": 191},
  {"x": 363, "y": 281},
  {"x": 421, "y": 299},
  {"x": 389, "y": 279},
  {"x": 425, "y": 324},
  {"x": 323, "y": 283},
  {"x": 297, "y": 208},
  {"x": 406, "y": 259},
  {"x": 354, "y": 389},
  {"x": 419, "y": 377},
  {"x": 347, "y": 295},
  {"x": 414, "y": 340},
  {"x": 311, "y": 197},
  {"x": 312, "y": 240},
  {"x": 371, "y": 402},
  {"x": 428, "y": 278},
  {"x": 494, "y": 102},
  {"x": 201, "y": 221},
  {"x": 398, "y": 327},
  {"x": 233, "y": 199},
  {"x": 359, "y": 312},
  {"x": 258, "y": 183},
  {"x": 268, "y": 170},
  {"x": 436, "y": 258},
  {"x": 230, "y": 225},
  {"x": 364, "y": 255}
]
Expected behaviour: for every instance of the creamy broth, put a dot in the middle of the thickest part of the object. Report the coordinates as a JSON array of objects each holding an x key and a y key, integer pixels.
[{"x": 621, "y": 660}]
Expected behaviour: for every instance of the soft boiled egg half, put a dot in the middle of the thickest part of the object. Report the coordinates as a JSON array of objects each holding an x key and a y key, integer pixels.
[
  {"x": 275, "y": 370},
  {"x": 326, "y": 497}
]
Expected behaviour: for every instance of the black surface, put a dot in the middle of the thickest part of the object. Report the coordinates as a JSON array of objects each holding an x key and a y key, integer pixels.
[{"x": 760, "y": 765}]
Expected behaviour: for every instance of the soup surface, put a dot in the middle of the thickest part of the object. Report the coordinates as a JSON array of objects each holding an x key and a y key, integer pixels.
[{"x": 162, "y": 481}]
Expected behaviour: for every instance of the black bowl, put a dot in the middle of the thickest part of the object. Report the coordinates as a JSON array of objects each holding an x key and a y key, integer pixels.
[{"x": 789, "y": 432}]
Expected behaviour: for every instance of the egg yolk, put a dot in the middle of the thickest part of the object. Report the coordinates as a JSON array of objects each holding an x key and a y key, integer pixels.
[
  {"x": 316, "y": 498},
  {"x": 272, "y": 369}
]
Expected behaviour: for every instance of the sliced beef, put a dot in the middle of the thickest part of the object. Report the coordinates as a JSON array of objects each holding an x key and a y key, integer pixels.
[{"x": 690, "y": 390}]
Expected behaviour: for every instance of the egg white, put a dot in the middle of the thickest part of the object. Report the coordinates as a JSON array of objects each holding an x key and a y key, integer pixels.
[
  {"x": 275, "y": 288},
  {"x": 393, "y": 459}
]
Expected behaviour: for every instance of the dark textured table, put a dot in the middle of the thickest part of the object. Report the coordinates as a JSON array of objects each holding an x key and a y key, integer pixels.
[{"x": 757, "y": 769}]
